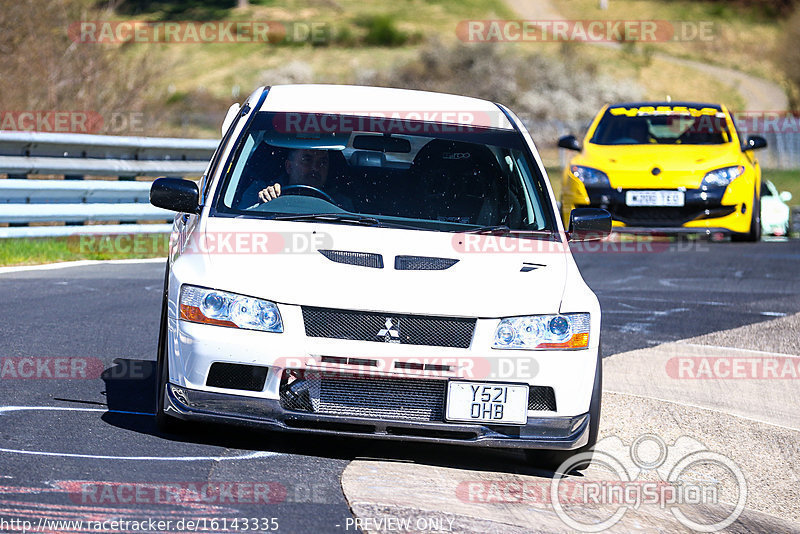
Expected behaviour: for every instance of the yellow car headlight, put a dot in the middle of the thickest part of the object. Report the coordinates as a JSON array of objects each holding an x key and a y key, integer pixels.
[
  {"x": 589, "y": 176},
  {"x": 722, "y": 177}
]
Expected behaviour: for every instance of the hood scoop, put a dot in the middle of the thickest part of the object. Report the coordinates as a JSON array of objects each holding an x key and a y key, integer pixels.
[
  {"x": 422, "y": 263},
  {"x": 401, "y": 263},
  {"x": 360, "y": 259}
]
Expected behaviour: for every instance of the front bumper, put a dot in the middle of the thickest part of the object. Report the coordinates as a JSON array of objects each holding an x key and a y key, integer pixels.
[
  {"x": 539, "y": 433},
  {"x": 672, "y": 230},
  {"x": 702, "y": 207}
]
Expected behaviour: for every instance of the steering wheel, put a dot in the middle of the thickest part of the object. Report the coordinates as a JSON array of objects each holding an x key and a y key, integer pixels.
[{"x": 311, "y": 189}]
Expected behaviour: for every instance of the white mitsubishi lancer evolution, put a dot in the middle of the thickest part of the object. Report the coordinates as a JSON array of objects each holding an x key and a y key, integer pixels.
[{"x": 380, "y": 263}]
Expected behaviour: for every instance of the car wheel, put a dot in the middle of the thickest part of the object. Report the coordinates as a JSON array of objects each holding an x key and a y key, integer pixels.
[
  {"x": 553, "y": 459},
  {"x": 165, "y": 423},
  {"x": 755, "y": 224}
]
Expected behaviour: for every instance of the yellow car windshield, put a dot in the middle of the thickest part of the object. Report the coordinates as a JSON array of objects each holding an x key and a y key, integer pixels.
[{"x": 662, "y": 125}]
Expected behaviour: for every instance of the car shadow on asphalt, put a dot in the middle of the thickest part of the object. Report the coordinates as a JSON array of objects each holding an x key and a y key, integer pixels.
[{"x": 130, "y": 392}]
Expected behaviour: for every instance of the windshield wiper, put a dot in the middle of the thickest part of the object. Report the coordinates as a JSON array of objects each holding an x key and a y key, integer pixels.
[
  {"x": 497, "y": 229},
  {"x": 330, "y": 218},
  {"x": 502, "y": 229}
]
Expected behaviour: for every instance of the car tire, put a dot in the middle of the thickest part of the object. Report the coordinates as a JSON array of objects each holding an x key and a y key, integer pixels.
[
  {"x": 553, "y": 459},
  {"x": 164, "y": 422},
  {"x": 754, "y": 234}
]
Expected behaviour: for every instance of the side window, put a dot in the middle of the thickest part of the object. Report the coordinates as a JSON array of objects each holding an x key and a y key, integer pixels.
[
  {"x": 205, "y": 182},
  {"x": 533, "y": 210},
  {"x": 233, "y": 185}
]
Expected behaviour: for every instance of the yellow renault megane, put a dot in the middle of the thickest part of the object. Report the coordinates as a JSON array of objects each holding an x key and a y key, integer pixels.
[{"x": 667, "y": 167}]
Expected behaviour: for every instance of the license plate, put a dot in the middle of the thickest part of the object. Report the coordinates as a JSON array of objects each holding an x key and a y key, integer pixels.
[
  {"x": 479, "y": 402},
  {"x": 654, "y": 198}
]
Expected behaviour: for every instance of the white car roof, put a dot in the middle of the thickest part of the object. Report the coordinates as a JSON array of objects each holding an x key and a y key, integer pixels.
[{"x": 402, "y": 104}]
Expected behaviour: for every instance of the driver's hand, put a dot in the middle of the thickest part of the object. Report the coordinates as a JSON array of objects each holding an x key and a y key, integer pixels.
[{"x": 270, "y": 193}]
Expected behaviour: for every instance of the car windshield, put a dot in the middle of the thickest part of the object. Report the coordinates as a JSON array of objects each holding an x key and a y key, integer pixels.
[
  {"x": 419, "y": 175},
  {"x": 671, "y": 125}
]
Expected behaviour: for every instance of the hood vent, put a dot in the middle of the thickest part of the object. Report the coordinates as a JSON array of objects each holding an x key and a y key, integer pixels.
[
  {"x": 361, "y": 259},
  {"x": 422, "y": 263}
]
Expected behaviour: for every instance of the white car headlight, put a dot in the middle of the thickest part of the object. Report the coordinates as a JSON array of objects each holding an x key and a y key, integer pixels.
[
  {"x": 722, "y": 177},
  {"x": 210, "y": 306},
  {"x": 567, "y": 331}
]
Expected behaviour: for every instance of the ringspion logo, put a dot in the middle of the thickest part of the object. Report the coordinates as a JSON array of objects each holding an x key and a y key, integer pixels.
[{"x": 678, "y": 477}]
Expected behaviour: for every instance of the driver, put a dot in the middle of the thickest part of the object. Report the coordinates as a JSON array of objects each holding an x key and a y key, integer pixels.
[{"x": 303, "y": 167}]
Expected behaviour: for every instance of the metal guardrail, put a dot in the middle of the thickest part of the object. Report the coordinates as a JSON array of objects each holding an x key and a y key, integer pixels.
[{"x": 76, "y": 201}]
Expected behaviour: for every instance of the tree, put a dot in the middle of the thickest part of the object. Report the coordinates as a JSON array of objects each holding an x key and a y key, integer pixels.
[{"x": 789, "y": 56}]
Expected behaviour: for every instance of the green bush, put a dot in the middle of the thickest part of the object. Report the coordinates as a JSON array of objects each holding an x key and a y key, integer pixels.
[{"x": 382, "y": 31}]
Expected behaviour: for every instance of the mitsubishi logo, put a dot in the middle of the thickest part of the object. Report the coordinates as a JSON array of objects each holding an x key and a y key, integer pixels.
[{"x": 391, "y": 331}]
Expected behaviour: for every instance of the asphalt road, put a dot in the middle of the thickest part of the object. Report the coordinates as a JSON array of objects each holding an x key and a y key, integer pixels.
[
  {"x": 82, "y": 448},
  {"x": 687, "y": 289}
]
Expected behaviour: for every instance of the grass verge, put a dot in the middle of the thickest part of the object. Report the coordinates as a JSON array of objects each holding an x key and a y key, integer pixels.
[
  {"x": 785, "y": 181},
  {"x": 35, "y": 251}
]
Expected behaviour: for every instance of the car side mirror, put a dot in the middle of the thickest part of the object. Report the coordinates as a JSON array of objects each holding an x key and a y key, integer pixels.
[
  {"x": 175, "y": 194},
  {"x": 229, "y": 117},
  {"x": 754, "y": 142},
  {"x": 569, "y": 142},
  {"x": 786, "y": 196},
  {"x": 589, "y": 224}
]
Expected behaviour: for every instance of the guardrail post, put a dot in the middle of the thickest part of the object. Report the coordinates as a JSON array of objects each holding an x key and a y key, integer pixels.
[
  {"x": 73, "y": 177},
  {"x": 18, "y": 177},
  {"x": 126, "y": 179}
]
